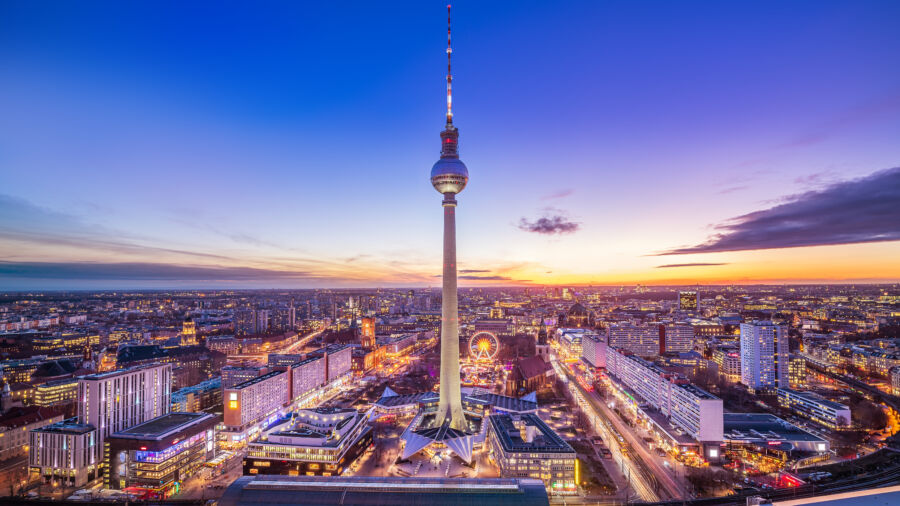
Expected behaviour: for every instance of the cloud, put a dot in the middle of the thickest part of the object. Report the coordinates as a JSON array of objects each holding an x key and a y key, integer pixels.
[
  {"x": 558, "y": 195},
  {"x": 820, "y": 179},
  {"x": 142, "y": 271},
  {"x": 550, "y": 224},
  {"x": 485, "y": 278},
  {"x": 856, "y": 211},
  {"x": 473, "y": 271},
  {"x": 732, "y": 189},
  {"x": 884, "y": 107},
  {"x": 697, "y": 264},
  {"x": 21, "y": 220}
]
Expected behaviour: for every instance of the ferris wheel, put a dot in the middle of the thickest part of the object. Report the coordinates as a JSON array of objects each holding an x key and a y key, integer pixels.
[{"x": 483, "y": 346}]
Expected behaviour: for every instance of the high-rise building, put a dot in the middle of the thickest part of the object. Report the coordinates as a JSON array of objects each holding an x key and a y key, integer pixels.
[
  {"x": 282, "y": 319},
  {"x": 117, "y": 400},
  {"x": 687, "y": 301},
  {"x": 675, "y": 338},
  {"x": 642, "y": 340},
  {"x": 72, "y": 451},
  {"x": 764, "y": 355},
  {"x": 449, "y": 176},
  {"x": 251, "y": 321},
  {"x": 691, "y": 408},
  {"x": 593, "y": 350},
  {"x": 257, "y": 399}
]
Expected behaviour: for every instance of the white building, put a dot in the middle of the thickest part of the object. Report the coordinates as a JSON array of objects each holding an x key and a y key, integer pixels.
[
  {"x": 117, "y": 400},
  {"x": 593, "y": 350},
  {"x": 765, "y": 362},
  {"x": 259, "y": 398},
  {"x": 65, "y": 452},
  {"x": 694, "y": 410},
  {"x": 72, "y": 451},
  {"x": 339, "y": 361},
  {"x": 642, "y": 340},
  {"x": 306, "y": 376}
]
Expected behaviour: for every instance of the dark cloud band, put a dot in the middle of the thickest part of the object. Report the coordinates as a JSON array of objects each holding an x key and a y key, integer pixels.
[
  {"x": 697, "y": 264},
  {"x": 857, "y": 211}
]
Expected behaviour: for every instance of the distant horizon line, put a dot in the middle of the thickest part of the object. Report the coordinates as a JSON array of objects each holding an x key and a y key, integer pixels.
[{"x": 438, "y": 288}]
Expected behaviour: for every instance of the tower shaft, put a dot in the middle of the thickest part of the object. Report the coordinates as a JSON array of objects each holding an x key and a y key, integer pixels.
[{"x": 450, "y": 402}]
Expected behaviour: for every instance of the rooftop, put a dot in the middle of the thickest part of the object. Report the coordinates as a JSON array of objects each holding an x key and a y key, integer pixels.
[
  {"x": 762, "y": 426},
  {"x": 163, "y": 426},
  {"x": 258, "y": 379},
  {"x": 545, "y": 440},
  {"x": 814, "y": 397},
  {"x": 346, "y": 490},
  {"x": 70, "y": 426},
  {"x": 120, "y": 372}
]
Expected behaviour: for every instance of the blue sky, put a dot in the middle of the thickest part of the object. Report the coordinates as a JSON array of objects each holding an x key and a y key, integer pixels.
[{"x": 295, "y": 140}]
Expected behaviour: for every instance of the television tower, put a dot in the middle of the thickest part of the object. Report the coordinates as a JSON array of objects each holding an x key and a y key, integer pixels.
[{"x": 449, "y": 176}]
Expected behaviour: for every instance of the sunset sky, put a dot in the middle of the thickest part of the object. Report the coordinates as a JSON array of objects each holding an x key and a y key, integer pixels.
[{"x": 274, "y": 144}]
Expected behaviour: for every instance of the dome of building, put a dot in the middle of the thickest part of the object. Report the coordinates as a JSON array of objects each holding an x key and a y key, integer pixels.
[
  {"x": 449, "y": 175},
  {"x": 577, "y": 310}
]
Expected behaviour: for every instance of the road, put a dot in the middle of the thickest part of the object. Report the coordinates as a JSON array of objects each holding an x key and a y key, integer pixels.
[
  {"x": 641, "y": 482},
  {"x": 262, "y": 357},
  {"x": 674, "y": 489},
  {"x": 303, "y": 341},
  {"x": 651, "y": 476}
]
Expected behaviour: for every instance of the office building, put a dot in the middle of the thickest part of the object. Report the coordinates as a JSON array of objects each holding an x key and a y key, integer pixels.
[
  {"x": 255, "y": 400},
  {"x": 152, "y": 459},
  {"x": 324, "y": 442},
  {"x": 593, "y": 350},
  {"x": 65, "y": 453},
  {"x": 117, "y": 400},
  {"x": 676, "y": 338},
  {"x": 338, "y": 360},
  {"x": 523, "y": 446},
  {"x": 250, "y": 321},
  {"x": 642, "y": 340},
  {"x": 728, "y": 358},
  {"x": 797, "y": 372},
  {"x": 570, "y": 341},
  {"x": 233, "y": 375},
  {"x": 687, "y": 301},
  {"x": 764, "y": 356},
  {"x": 306, "y": 376},
  {"x": 816, "y": 408},
  {"x": 282, "y": 319},
  {"x": 55, "y": 393},
  {"x": 224, "y": 344},
  {"x": 199, "y": 397}
]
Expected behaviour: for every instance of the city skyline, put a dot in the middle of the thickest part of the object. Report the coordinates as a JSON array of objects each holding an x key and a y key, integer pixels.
[{"x": 611, "y": 144}]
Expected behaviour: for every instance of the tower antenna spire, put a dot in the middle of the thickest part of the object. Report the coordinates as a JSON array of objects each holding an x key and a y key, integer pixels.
[{"x": 449, "y": 75}]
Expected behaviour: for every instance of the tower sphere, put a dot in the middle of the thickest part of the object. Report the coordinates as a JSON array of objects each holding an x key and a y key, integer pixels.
[{"x": 449, "y": 175}]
